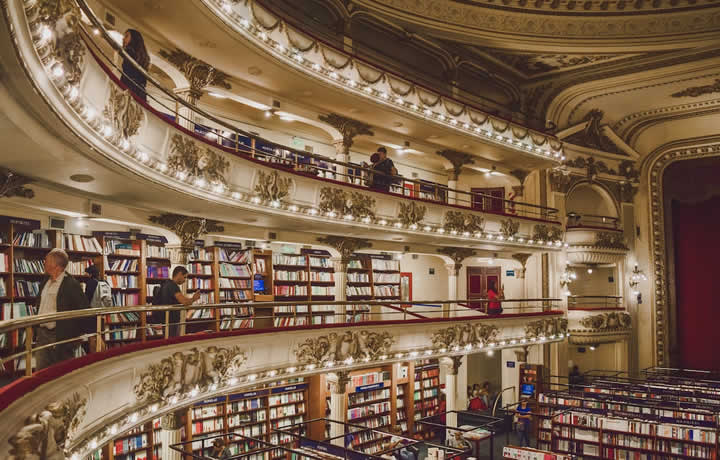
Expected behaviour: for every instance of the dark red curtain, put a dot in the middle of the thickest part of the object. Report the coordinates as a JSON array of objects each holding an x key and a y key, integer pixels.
[{"x": 696, "y": 232}]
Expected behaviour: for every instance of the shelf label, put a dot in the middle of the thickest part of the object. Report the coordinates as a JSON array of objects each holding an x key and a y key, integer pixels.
[
  {"x": 35, "y": 224},
  {"x": 299, "y": 386},
  {"x": 315, "y": 252},
  {"x": 228, "y": 245},
  {"x": 199, "y": 243},
  {"x": 370, "y": 387},
  {"x": 113, "y": 235},
  {"x": 216, "y": 400},
  {"x": 151, "y": 238},
  {"x": 249, "y": 394}
]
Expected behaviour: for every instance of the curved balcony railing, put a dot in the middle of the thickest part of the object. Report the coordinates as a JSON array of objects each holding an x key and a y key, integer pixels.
[
  {"x": 240, "y": 143},
  {"x": 592, "y": 221},
  {"x": 595, "y": 302},
  {"x": 126, "y": 326}
]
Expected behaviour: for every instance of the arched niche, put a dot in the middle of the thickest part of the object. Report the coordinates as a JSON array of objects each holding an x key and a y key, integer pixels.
[{"x": 591, "y": 199}]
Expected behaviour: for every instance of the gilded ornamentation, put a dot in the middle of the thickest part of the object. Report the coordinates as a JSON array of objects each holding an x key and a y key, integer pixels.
[
  {"x": 607, "y": 321},
  {"x": 462, "y": 222},
  {"x": 610, "y": 240},
  {"x": 457, "y": 254},
  {"x": 697, "y": 91},
  {"x": 457, "y": 160},
  {"x": 345, "y": 245},
  {"x": 345, "y": 203},
  {"x": 626, "y": 168},
  {"x": 509, "y": 228},
  {"x": 546, "y": 327},
  {"x": 542, "y": 232},
  {"x": 626, "y": 192},
  {"x": 187, "y": 228},
  {"x": 125, "y": 114},
  {"x": 411, "y": 213},
  {"x": 340, "y": 347},
  {"x": 460, "y": 335},
  {"x": 172, "y": 421},
  {"x": 63, "y": 16},
  {"x": 188, "y": 159},
  {"x": 272, "y": 187},
  {"x": 200, "y": 74},
  {"x": 12, "y": 184},
  {"x": 592, "y": 135},
  {"x": 560, "y": 180},
  {"x": 46, "y": 434},
  {"x": 591, "y": 166},
  {"x": 348, "y": 127},
  {"x": 184, "y": 371},
  {"x": 521, "y": 257}
]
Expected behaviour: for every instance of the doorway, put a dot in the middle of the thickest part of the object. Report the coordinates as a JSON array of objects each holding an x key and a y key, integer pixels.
[
  {"x": 478, "y": 281},
  {"x": 492, "y": 201}
]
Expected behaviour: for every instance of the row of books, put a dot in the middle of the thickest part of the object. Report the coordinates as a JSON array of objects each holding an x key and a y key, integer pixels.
[
  {"x": 121, "y": 335},
  {"x": 288, "y": 321},
  {"x": 380, "y": 278},
  {"x": 4, "y": 262},
  {"x": 237, "y": 323},
  {"x": 201, "y": 254},
  {"x": 199, "y": 283},
  {"x": 24, "y": 288},
  {"x": 285, "y": 398},
  {"x": 122, "y": 281},
  {"x": 381, "y": 264},
  {"x": 368, "y": 410},
  {"x": 229, "y": 283},
  {"x": 130, "y": 443},
  {"x": 367, "y": 396},
  {"x": 235, "y": 296},
  {"x": 369, "y": 378},
  {"x": 207, "y": 426},
  {"x": 358, "y": 291},
  {"x": 3, "y": 289},
  {"x": 238, "y": 257},
  {"x": 521, "y": 453},
  {"x": 207, "y": 411},
  {"x": 355, "y": 263},
  {"x": 260, "y": 266},
  {"x": 17, "y": 310},
  {"x": 157, "y": 252},
  {"x": 327, "y": 277},
  {"x": 123, "y": 265},
  {"x": 387, "y": 291},
  {"x": 322, "y": 290},
  {"x": 123, "y": 317},
  {"x": 320, "y": 262},
  {"x": 291, "y": 309},
  {"x": 292, "y": 275},
  {"x": 80, "y": 243},
  {"x": 35, "y": 239},
  {"x": 287, "y": 410},
  {"x": 292, "y": 290},
  {"x": 121, "y": 248},
  {"x": 201, "y": 313},
  {"x": 78, "y": 267},
  {"x": 426, "y": 394},
  {"x": 357, "y": 277},
  {"x": 197, "y": 268},
  {"x": 235, "y": 270},
  {"x": 285, "y": 259},
  {"x": 158, "y": 271}
]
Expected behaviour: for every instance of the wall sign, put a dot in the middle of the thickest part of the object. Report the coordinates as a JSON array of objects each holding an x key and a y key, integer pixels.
[
  {"x": 510, "y": 364},
  {"x": 509, "y": 272}
]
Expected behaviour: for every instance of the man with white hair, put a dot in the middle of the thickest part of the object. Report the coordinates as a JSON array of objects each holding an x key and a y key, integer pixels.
[{"x": 58, "y": 293}]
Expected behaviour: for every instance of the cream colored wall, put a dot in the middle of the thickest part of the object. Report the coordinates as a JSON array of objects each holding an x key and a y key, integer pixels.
[
  {"x": 482, "y": 367},
  {"x": 425, "y": 285},
  {"x": 604, "y": 357},
  {"x": 596, "y": 283}
]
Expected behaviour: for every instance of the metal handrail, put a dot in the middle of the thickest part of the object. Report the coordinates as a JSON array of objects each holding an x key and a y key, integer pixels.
[
  {"x": 544, "y": 211},
  {"x": 584, "y": 302},
  {"x": 577, "y": 220}
]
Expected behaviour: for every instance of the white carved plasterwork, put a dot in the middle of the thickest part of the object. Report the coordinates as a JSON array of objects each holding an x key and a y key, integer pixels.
[
  {"x": 598, "y": 326},
  {"x": 659, "y": 290}
]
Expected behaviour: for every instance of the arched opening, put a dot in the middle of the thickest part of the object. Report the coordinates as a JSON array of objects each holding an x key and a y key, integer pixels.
[{"x": 589, "y": 199}]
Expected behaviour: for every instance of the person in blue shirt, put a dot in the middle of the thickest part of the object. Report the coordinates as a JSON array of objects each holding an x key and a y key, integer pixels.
[{"x": 524, "y": 417}]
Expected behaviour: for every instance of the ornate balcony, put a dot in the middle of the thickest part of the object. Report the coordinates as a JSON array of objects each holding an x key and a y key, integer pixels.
[
  {"x": 594, "y": 239},
  {"x": 597, "y": 319}
]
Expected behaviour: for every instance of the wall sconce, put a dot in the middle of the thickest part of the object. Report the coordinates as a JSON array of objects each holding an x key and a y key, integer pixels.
[
  {"x": 567, "y": 277},
  {"x": 635, "y": 278}
]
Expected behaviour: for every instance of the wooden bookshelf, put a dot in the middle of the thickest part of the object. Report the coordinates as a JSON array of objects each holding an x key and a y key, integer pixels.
[
  {"x": 426, "y": 392},
  {"x": 202, "y": 276},
  {"x": 234, "y": 284}
]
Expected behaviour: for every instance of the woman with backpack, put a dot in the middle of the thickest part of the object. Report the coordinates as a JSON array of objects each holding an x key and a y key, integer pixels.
[{"x": 97, "y": 291}]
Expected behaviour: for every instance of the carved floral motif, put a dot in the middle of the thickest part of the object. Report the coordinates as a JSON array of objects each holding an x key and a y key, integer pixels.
[
  {"x": 12, "y": 184},
  {"x": 509, "y": 228},
  {"x": 457, "y": 160},
  {"x": 346, "y": 203},
  {"x": 339, "y": 347},
  {"x": 187, "y": 228},
  {"x": 345, "y": 245},
  {"x": 411, "y": 213},
  {"x": 457, "y": 254},
  {"x": 46, "y": 434},
  {"x": 462, "y": 222},
  {"x": 460, "y": 335},
  {"x": 185, "y": 370},
  {"x": 62, "y": 16},
  {"x": 199, "y": 73},
  {"x": 607, "y": 321},
  {"x": 542, "y": 232},
  {"x": 125, "y": 114},
  {"x": 546, "y": 327},
  {"x": 188, "y": 159},
  {"x": 697, "y": 91},
  {"x": 592, "y": 135},
  {"x": 610, "y": 240},
  {"x": 272, "y": 187},
  {"x": 348, "y": 128}
]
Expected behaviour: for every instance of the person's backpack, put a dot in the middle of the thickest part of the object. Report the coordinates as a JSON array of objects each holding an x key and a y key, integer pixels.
[
  {"x": 156, "y": 295},
  {"x": 102, "y": 296}
]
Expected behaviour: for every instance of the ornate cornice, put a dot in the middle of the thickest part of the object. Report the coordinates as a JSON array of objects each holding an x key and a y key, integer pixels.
[
  {"x": 610, "y": 321},
  {"x": 184, "y": 371},
  {"x": 346, "y": 347},
  {"x": 349, "y": 128},
  {"x": 697, "y": 91},
  {"x": 187, "y": 160},
  {"x": 592, "y": 135},
  {"x": 457, "y": 160},
  {"x": 463, "y": 222},
  {"x": 560, "y": 180},
  {"x": 199, "y": 73},
  {"x": 187, "y": 228},
  {"x": 457, "y": 254},
  {"x": 546, "y": 327},
  {"x": 12, "y": 184},
  {"x": 346, "y": 203},
  {"x": 610, "y": 240},
  {"x": 461, "y": 335},
  {"x": 345, "y": 245}
]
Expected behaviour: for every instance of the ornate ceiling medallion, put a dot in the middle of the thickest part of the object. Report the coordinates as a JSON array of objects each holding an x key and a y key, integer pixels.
[
  {"x": 184, "y": 371},
  {"x": 462, "y": 222},
  {"x": 345, "y": 347},
  {"x": 125, "y": 114},
  {"x": 411, "y": 213},
  {"x": 12, "y": 184},
  {"x": 188, "y": 160},
  {"x": 47, "y": 434},
  {"x": 354, "y": 204},
  {"x": 273, "y": 188},
  {"x": 461, "y": 335}
]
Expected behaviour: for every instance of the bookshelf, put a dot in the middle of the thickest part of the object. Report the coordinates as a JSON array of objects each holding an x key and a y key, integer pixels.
[
  {"x": 401, "y": 396},
  {"x": 369, "y": 403},
  {"x": 202, "y": 271},
  {"x": 134, "y": 445},
  {"x": 157, "y": 264},
  {"x": 385, "y": 277},
  {"x": 426, "y": 392},
  {"x": 234, "y": 284},
  {"x": 526, "y": 453}
]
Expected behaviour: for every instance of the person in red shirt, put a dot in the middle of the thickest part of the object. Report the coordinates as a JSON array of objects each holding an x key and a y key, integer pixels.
[
  {"x": 477, "y": 403},
  {"x": 493, "y": 294}
]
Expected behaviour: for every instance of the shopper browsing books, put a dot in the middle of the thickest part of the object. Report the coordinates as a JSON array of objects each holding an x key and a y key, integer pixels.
[
  {"x": 170, "y": 294},
  {"x": 524, "y": 417},
  {"x": 219, "y": 450},
  {"x": 383, "y": 170}
]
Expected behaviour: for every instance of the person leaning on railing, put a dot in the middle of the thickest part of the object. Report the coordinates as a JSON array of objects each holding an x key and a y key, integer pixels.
[
  {"x": 386, "y": 169},
  {"x": 58, "y": 293},
  {"x": 132, "y": 77},
  {"x": 169, "y": 294}
]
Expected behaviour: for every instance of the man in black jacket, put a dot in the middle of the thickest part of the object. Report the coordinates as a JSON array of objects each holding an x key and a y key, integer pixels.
[{"x": 60, "y": 292}]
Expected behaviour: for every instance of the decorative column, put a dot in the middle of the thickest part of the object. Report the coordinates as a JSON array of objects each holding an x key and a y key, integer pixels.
[
  {"x": 12, "y": 184},
  {"x": 346, "y": 247},
  {"x": 200, "y": 75},
  {"x": 452, "y": 364},
  {"x": 338, "y": 384},
  {"x": 457, "y": 255},
  {"x": 522, "y": 257},
  {"x": 457, "y": 160},
  {"x": 349, "y": 129},
  {"x": 170, "y": 433}
]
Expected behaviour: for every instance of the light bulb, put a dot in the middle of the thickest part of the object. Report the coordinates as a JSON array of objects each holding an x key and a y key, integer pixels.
[{"x": 589, "y": 270}]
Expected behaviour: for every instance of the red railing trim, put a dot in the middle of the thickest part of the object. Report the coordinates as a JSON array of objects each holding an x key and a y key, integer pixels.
[
  {"x": 164, "y": 117},
  {"x": 20, "y": 387}
]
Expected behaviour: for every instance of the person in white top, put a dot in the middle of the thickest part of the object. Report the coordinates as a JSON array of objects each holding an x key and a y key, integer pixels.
[{"x": 58, "y": 293}]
